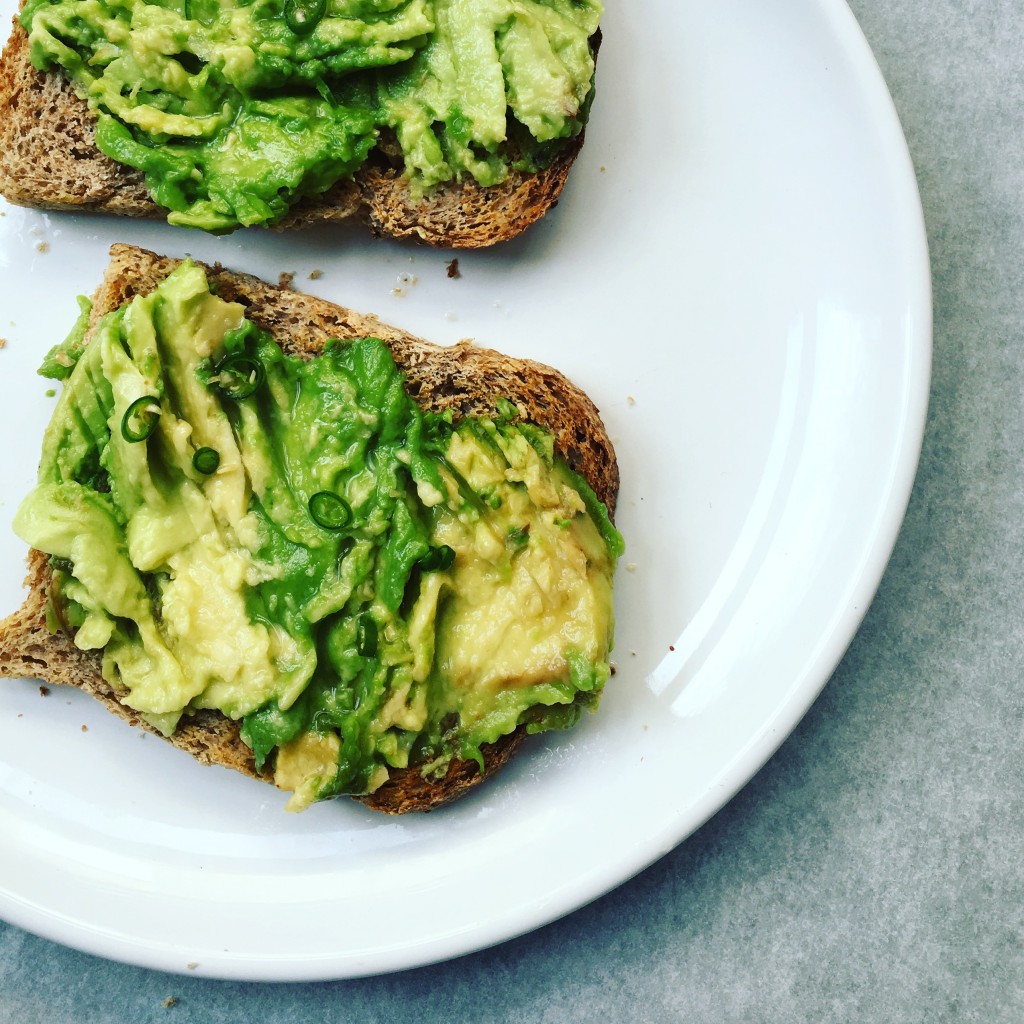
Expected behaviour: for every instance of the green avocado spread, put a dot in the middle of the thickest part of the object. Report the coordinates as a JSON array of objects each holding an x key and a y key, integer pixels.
[
  {"x": 234, "y": 110},
  {"x": 365, "y": 585}
]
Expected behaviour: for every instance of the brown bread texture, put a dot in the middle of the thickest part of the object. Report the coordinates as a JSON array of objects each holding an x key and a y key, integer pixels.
[
  {"x": 465, "y": 378},
  {"x": 49, "y": 160}
]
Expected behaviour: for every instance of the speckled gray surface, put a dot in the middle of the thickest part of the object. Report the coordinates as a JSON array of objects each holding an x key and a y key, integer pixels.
[{"x": 874, "y": 869}]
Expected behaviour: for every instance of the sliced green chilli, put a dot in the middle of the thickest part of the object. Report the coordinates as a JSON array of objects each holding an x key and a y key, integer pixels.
[
  {"x": 330, "y": 511},
  {"x": 303, "y": 16},
  {"x": 139, "y": 420},
  {"x": 239, "y": 377},
  {"x": 206, "y": 461}
]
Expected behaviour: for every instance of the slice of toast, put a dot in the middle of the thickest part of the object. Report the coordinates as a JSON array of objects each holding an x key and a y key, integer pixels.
[
  {"x": 463, "y": 378},
  {"x": 49, "y": 160}
]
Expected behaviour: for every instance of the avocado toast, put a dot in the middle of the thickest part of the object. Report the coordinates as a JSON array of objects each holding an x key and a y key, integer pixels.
[
  {"x": 430, "y": 581},
  {"x": 455, "y": 124}
]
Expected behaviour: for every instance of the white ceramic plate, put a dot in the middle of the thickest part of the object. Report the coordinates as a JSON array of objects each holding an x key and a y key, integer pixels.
[{"x": 738, "y": 274}]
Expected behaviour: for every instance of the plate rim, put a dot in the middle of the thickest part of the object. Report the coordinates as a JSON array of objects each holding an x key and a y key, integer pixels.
[{"x": 681, "y": 822}]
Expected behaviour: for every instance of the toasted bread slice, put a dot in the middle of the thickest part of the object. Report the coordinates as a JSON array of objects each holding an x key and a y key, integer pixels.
[
  {"x": 463, "y": 378},
  {"x": 49, "y": 160}
]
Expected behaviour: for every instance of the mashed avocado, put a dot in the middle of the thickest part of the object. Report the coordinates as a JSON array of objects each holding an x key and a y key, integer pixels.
[
  {"x": 234, "y": 111},
  {"x": 365, "y": 585}
]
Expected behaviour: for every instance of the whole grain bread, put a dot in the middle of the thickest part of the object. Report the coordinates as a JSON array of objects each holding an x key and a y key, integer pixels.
[
  {"x": 464, "y": 378},
  {"x": 49, "y": 160}
]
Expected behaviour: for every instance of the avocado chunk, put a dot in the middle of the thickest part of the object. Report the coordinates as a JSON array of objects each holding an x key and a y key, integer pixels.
[
  {"x": 233, "y": 112},
  {"x": 364, "y": 585}
]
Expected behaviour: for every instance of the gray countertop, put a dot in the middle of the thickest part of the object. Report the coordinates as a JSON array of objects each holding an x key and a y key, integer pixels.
[{"x": 872, "y": 871}]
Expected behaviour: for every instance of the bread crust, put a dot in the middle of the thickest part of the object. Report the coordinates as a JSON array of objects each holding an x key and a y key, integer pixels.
[
  {"x": 464, "y": 378},
  {"x": 49, "y": 160}
]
